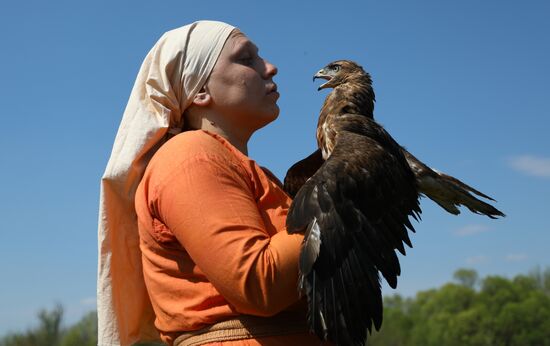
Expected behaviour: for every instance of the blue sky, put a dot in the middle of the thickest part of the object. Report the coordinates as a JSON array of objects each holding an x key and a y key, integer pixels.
[{"x": 464, "y": 85}]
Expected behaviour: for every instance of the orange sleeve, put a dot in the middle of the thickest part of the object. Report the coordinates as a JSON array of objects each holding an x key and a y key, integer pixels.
[{"x": 209, "y": 206}]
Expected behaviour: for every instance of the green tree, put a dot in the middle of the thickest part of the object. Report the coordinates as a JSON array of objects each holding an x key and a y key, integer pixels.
[
  {"x": 83, "y": 333},
  {"x": 500, "y": 311},
  {"x": 395, "y": 333},
  {"x": 48, "y": 332},
  {"x": 466, "y": 277}
]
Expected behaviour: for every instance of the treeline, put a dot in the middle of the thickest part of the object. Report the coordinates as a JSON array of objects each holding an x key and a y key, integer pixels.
[
  {"x": 469, "y": 311},
  {"x": 50, "y": 332}
]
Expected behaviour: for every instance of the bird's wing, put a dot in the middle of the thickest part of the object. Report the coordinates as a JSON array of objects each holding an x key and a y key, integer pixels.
[
  {"x": 449, "y": 192},
  {"x": 354, "y": 211},
  {"x": 301, "y": 171}
]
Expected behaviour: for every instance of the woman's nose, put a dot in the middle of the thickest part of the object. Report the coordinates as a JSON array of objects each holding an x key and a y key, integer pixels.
[{"x": 270, "y": 69}]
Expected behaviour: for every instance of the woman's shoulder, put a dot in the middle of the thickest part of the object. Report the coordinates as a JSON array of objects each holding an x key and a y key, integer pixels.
[
  {"x": 188, "y": 148},
  {"x": 192, "y": 145}
]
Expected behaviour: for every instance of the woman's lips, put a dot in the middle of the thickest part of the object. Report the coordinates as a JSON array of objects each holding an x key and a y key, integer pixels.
[
  {"x": 272, "y": 88},
  {"x": 274, "y": 94}
]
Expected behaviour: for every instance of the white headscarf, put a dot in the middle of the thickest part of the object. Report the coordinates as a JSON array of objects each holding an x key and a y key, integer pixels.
[{"x": 175, "y": 69}]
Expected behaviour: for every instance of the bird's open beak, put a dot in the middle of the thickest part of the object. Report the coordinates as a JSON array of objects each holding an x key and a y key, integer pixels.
[{"x": 322, "y": 75}]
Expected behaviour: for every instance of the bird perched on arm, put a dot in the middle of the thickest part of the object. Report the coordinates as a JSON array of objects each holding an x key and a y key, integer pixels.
[{"x": 352, "y": 200}]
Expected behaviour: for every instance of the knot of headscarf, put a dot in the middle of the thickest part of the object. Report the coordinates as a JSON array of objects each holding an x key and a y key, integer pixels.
[{"x": 173, "y": 72}]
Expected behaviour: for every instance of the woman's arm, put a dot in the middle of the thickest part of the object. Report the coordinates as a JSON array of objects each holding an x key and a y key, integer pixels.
[{"x": 209, "y": 205}]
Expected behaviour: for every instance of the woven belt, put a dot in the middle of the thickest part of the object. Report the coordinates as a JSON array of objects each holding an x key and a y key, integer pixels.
[{"x": 245, "y": 327}]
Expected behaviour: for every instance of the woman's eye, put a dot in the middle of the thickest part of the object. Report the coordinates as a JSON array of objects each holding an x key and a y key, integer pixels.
[{"x": 247, "y": 60}]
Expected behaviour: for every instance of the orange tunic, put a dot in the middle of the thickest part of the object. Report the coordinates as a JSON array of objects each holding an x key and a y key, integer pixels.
[{"x": 213, "y": 238}]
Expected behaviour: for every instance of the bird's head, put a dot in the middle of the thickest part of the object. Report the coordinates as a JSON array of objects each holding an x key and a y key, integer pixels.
[{"x": 340, "y": 72}]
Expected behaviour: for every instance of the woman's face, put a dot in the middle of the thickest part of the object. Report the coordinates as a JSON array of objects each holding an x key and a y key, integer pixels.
[{"x": 241, "y": 85}]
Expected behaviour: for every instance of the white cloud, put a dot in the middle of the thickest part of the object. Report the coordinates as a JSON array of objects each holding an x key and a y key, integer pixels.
[
  {"x": 516, "y": 257},
  {"x": 470, "y": 230},
  {"x": 89, "y": 301},
  {"x": 477, "y": 259},
  {"x": 531, "y": 165}
]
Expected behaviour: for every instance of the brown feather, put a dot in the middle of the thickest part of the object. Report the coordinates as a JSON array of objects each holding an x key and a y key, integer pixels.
[
  {"x": 301, "y": 171},
  {"x": 449, "y": 192}
]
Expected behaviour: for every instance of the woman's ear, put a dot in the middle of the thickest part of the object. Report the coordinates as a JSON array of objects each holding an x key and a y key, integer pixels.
[{"x": 202, "y": 98}]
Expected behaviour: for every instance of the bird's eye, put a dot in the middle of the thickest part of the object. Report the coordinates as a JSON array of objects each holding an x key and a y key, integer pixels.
[{"x": 335, "y": 68}]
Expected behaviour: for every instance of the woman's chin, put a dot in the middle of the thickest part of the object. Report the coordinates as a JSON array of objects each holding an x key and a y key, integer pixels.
[
  {"x": 266, "y": 118},
  {"x": 272, "y": 116}
]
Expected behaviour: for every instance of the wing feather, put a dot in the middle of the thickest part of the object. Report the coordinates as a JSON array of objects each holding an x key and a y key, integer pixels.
[
  {"x": 301, "y": 171},
  {"x": 449, "y": 192},
  {"x": 360, "y": 200}
]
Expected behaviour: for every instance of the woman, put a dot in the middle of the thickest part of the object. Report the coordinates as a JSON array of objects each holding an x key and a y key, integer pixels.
[{"x": 214, "y": 251}]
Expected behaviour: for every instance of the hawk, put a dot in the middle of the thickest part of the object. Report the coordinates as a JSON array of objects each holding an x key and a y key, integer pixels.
[{"x": 352, "y": 200}]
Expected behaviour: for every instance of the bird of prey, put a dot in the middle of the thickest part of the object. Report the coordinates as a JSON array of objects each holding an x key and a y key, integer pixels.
[{"x": 352, "y": 200}]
